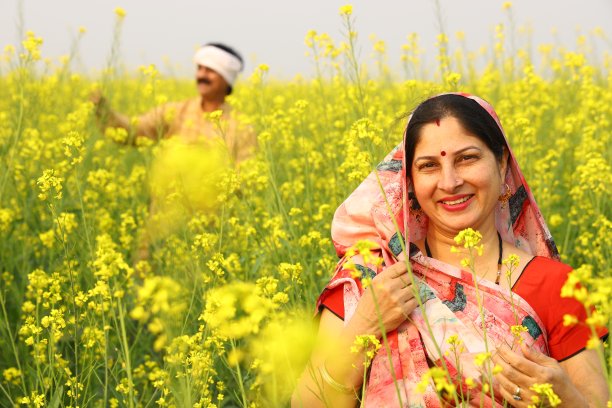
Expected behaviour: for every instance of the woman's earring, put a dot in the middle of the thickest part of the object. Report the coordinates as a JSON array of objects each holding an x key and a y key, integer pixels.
[{"x": 505, "y": 197}]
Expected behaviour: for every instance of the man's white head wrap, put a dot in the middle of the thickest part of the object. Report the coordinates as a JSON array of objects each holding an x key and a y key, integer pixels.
[{"x": 225, "y": 64}]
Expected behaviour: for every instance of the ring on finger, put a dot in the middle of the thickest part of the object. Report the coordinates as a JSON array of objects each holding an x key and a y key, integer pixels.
[{"x": 517, "y": 394}]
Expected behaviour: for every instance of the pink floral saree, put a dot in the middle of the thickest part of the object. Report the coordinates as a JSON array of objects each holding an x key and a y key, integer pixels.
[{"x": 448, "y": 294}]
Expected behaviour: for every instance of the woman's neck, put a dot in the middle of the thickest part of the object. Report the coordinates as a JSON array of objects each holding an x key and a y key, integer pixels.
[{"x": 440, "y": 243}]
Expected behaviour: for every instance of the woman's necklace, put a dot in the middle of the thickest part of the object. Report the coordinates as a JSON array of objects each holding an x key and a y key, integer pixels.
[{"x": 499, "y": 259}]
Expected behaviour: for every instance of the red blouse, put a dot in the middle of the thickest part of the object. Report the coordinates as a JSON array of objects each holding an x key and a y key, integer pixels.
[{"x": 540, "y": 285}]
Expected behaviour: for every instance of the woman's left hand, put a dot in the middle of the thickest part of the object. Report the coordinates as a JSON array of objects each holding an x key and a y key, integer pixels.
[{"x": 521, "y": 371}]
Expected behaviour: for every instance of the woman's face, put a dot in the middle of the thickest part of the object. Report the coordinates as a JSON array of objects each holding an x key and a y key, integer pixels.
[{"x": 456, "y": 178}]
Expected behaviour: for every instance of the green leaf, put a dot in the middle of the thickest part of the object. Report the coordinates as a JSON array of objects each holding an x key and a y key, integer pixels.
[{"x": 55, "y": 399}]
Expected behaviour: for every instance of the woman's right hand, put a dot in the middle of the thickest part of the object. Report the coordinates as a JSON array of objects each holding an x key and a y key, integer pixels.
[{"x": 390, "y": 296}]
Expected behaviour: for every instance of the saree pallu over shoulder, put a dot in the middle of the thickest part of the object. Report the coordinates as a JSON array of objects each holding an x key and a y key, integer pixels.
[
  {"x": 450, "y": 307},
  {"x": 379, "y": 211}
]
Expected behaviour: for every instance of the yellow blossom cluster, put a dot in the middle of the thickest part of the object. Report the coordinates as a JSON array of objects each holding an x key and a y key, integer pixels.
[
  {"x": 368, "y": 345},
  {"x": 545, "y": 396},
  {"x": 236, "y": 310}
]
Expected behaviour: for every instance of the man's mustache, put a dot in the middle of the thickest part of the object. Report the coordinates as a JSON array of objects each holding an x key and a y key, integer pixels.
[{"x": 203, "y": 81}]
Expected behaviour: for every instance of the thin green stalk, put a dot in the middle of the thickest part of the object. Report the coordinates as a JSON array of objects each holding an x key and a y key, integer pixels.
[
  {"x": 512, "y": 45},
  {"x": 482, "y": 318},
  {"x": 21, "y": 67},
  {"x": 270, "y": 167},
  {"x": 188, "y": 389},
  {"x": 319, "y": 384},
  {"x": 75, "y": 311},
  {"x": 277, "y": 194},
  {"x": 196, "y": 288},
  {"x": 114, "y": 55},
  {"x": 387, "y": 348},
  {"x": 509, "y": 280},
  {"x": 600, "y": 351},
  {"x": 7, "y": 394},
  {"x": 83, "y": 215},
  {"x": 319, "y": 76},
  {"x": 221, "y": 226},
  {"x": 363, "y": 386},
  {"x": 126, "y": 352},
  {"x": 414, "y": 283},
  {"x": 240, "y": 380},
  {"x": 12, "y": 340},
  {"x": 443, "y": 51},
  {"x": 18, "y": 131},
  {"x": 354, "y": 64},
  {"x": 74, "y": 48},
  {"x": 39, "y": 377}
]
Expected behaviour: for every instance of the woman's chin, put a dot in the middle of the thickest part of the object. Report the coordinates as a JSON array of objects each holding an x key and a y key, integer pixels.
[{"x": 458, "y": 222}]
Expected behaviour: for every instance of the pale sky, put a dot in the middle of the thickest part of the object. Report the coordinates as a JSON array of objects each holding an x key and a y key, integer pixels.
[{"x": 272, "y": 31}]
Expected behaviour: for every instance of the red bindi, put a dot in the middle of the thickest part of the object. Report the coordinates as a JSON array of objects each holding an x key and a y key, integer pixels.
[{"x": 443, "y": 153}]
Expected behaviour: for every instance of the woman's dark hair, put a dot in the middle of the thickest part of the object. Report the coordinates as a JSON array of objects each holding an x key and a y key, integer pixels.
[
  {"x": 229, "y": 50},
  {"x": 473, "y": 117}
]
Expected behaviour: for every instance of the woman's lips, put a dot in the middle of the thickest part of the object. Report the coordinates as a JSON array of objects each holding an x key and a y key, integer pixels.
[{"x": 456, "y": 203}]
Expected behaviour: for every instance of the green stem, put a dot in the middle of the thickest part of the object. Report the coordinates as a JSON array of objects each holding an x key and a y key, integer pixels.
[
  {"x": 599, "y": 350},
  {"x": 387, "y": 348},
  {"x": 11, "y": 149},
  {"x": 8, "y": 395},
  {"x": 126, "y": 352},
  {"x": 415, "y": 285},
  {"x": 106, "y": 342},
  {"x": 514, "y": 312},
  {"x": 354, "y": 64},
  {"x": 482, "y": 318},
  {"x": 12, "y": 340},
  {"x": 240, "y": 381},
  {"x": 62, "y": 234}
]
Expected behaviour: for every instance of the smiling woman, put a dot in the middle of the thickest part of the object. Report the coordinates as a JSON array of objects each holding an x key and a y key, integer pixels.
[
  {"x": 456, "y": 189},
  {"x": 437, "y": 319}
]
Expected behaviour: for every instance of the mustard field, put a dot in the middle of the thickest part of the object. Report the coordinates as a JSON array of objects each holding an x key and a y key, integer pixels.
[{"x": 220, "y": 311}]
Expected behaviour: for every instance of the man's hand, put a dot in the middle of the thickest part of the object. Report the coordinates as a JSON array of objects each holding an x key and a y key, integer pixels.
[{"x": 100, "y": 102}]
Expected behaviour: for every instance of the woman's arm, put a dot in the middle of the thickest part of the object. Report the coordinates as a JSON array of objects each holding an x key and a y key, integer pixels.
[
  {"x": 384, "y": 305},
  {"x": 587, "y": 374},
  {"x": 333, "y": 350}
]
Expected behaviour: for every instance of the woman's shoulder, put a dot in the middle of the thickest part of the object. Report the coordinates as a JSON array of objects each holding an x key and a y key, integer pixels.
[
  {"x": 541, "y": 272},
  {"x": 542, "y": 265}
]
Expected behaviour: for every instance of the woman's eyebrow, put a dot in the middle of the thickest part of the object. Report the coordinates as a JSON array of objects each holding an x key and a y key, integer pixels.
[
  {"x": 425, "y": 158},
  {"x": 467, "y": 148},
  {"x": 454, "y": 153}
]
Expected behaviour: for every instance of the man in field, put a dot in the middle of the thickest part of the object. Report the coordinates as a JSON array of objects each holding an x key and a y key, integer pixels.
[
  {"x": 217, "y": 67},
  {"x": 196, "y": 146}
]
